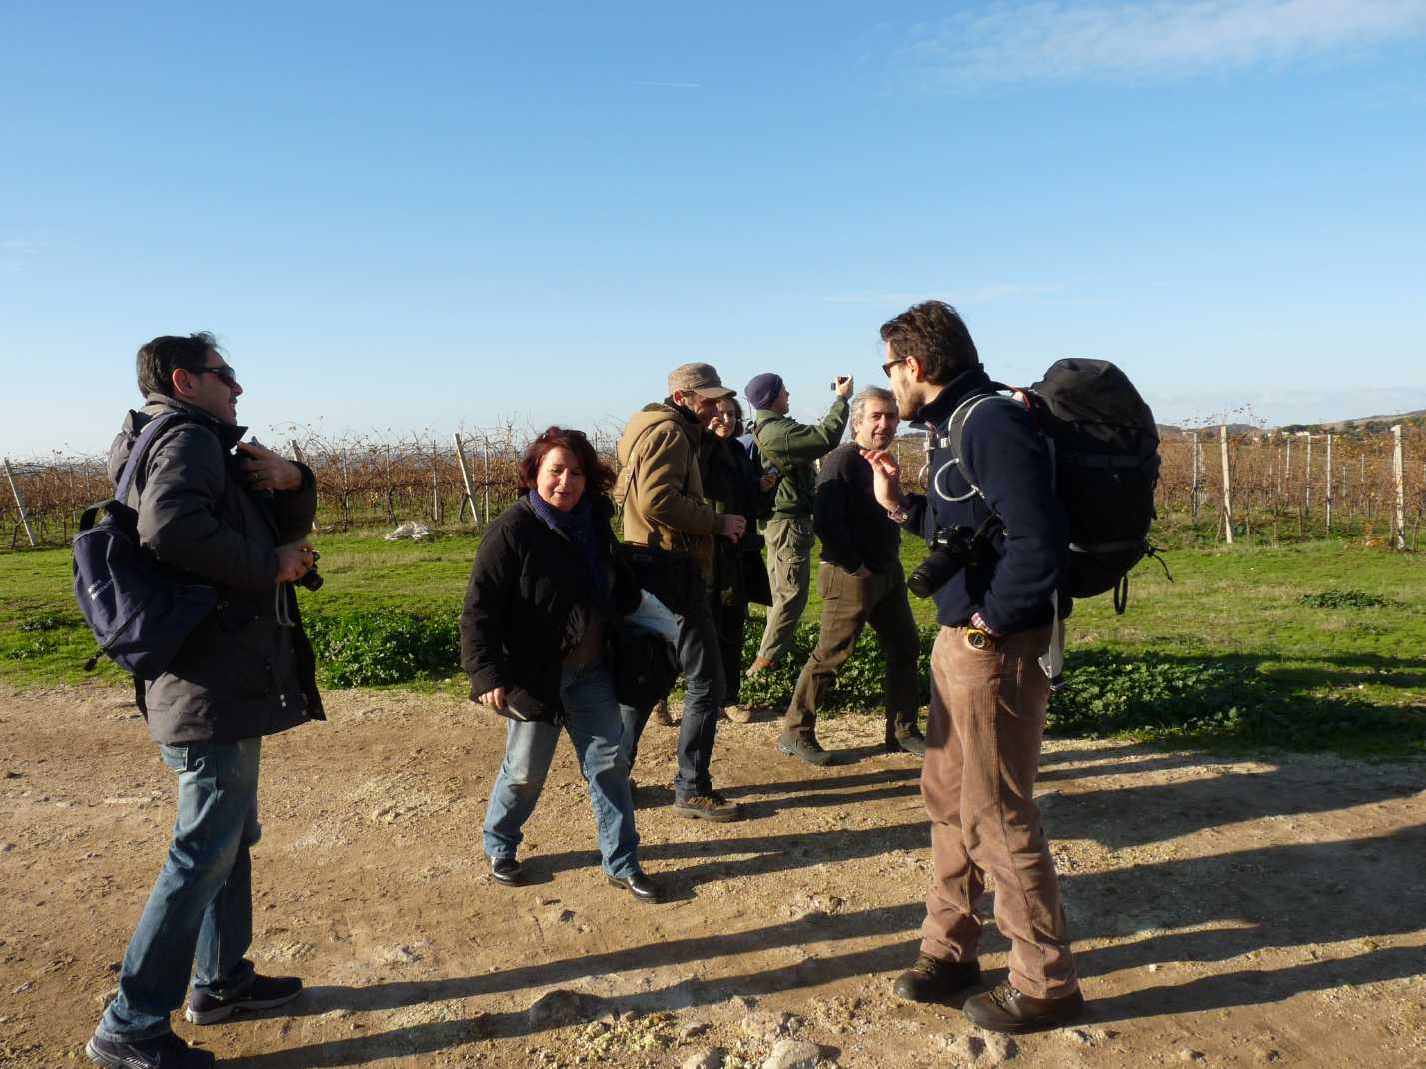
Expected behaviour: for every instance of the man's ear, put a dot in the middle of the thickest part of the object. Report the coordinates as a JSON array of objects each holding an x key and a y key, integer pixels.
[
  {"x": 181, "y": 386},
  {"x": 917, "y": 369}
]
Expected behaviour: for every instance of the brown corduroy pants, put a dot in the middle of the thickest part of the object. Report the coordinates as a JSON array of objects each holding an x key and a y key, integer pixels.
[{"x": 988, "y": 701}]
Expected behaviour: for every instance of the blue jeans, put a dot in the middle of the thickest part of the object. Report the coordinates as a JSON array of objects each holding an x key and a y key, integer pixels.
[
  {"x": 702, "y": 663},
  {"x": 592, "y": 719},
  {"x": 199, "y": 916}
]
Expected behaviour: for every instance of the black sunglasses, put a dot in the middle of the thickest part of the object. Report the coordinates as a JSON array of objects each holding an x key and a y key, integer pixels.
[
  {"x": 228, "y": 374},
  {"x": 886, "y": 367}
]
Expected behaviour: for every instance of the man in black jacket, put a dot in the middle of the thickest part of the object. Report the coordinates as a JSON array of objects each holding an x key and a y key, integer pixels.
[
  {"x": 988, "y": 691},
  {"x": 247, "y": 670},
  {"x": 861, "y": 582}
]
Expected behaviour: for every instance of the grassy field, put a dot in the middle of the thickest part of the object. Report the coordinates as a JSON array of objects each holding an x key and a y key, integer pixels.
[{"x": 1333, "y": 630}]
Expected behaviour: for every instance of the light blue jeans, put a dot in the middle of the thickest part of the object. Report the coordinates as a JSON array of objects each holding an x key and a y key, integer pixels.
[
  {"x": 592, "y": 719},
  {"x": 199, "y": 916}
]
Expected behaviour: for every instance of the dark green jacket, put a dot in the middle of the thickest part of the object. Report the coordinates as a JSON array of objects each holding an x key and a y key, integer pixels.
[{"x": 793, "y": 447}]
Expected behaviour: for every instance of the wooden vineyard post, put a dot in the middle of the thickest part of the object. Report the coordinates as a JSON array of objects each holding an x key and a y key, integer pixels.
[
  {"x": 469, "y": 498},
  {"x": 1227, "y": 491},
  {"x": 1307, "y": 481},
  {"x": 1329, "y": 484},
  {"x": 1398, "y": 475},
  {"x": 436, "y": 514},
  {"x": 19, "y": 503},
  {"x": 1197, "y": 475},
  {"x": 486, "y": 489}
]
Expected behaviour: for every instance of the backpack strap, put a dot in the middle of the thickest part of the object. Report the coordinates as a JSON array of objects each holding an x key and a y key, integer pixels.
[
  {"x": 144, "y": 443},
  {"x": 952, "y": 440}
]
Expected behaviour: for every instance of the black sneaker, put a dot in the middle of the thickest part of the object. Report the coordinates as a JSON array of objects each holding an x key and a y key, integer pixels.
[
  {"x": 710, "y": 806},
  {"x": 809, "y": 750},
  {"x": 165, "y": 1052},
  {"x": 506, "y": 870},
  {"x": 934, "y": 980},
  {"x": 263, "y": 993}
]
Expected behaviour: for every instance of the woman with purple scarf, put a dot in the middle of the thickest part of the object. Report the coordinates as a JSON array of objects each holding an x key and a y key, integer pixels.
[{"x": 546, "y": 594}]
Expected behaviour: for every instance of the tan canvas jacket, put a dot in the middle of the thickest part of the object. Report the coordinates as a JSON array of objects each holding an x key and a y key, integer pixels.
[{"x": 660, "y": 486}]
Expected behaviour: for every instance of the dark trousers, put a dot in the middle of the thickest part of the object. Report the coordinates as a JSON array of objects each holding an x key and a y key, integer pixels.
[
  {"x": 730, "y": 615},
  {"x": 702, "y": 664},
  {"x": 848, "y": 605}
]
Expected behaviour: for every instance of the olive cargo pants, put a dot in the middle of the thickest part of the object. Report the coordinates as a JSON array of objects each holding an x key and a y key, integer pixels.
[{"x": 789, "y": 567}]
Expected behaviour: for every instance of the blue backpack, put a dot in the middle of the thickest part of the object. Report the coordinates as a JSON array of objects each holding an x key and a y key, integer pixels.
[{"x": 140, "y": 610}]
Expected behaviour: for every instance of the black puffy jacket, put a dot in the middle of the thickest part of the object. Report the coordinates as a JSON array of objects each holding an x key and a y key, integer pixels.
[
  {"x": 240, "y": 674},
  {"x": 530, "y": 599}
]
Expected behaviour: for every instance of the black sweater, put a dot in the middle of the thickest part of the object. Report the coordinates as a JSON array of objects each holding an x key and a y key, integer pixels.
[{"x": 854, "y": 529}]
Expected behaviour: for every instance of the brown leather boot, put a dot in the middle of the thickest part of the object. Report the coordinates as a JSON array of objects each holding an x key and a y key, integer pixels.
[
  {"x": 934, "y": 980},
  {"x": 1005, "y": 1008}
]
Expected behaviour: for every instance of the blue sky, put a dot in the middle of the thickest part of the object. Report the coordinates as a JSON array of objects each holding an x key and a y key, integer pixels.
[{"x": 415, "y": 217}]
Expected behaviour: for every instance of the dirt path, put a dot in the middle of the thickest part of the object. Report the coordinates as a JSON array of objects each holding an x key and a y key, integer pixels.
[{"x": 1225, "y": 912}]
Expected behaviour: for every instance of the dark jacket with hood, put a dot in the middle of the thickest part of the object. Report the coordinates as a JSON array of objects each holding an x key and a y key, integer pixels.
[
  {"x": 240, "y": 674},
  {"x": 531, "y": 600},
  {"x": 1004, "y": 454}
]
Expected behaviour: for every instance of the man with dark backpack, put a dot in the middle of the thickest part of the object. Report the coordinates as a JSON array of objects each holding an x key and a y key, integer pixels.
[
  {"x": 236, "y": 523},
  {"x": 992, "y": 506}
]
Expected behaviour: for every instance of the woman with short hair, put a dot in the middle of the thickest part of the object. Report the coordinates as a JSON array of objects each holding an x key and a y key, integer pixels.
[{"x": 545, "y": 594}]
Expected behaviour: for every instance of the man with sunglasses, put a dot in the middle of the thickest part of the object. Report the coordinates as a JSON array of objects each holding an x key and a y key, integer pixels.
[
  {"x": 237, "y": 522},
  {"x": 989, "y": 694}
]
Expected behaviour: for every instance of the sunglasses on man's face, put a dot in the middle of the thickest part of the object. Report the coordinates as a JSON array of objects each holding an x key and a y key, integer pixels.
[
  {"x": 228, "y": 374},
  {"x": 886, "y": 367}
]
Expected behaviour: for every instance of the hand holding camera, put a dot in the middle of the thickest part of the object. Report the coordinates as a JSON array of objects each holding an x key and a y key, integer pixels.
[{"x": 842, "y": 386}]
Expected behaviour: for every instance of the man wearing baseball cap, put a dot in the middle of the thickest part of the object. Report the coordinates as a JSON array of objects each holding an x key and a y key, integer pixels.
[
  {"x": 792, "y": 448},
  {"x": 669, "y": 527}
]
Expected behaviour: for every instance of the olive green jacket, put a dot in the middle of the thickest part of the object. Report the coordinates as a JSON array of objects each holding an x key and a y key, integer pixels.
[{"x": 793, "y": 448}]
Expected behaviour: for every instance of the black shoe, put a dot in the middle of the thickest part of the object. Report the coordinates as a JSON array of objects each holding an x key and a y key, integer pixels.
[
  {"x": 805, "y": 749},
  {"x": 263, "y": 993},
  {"x": 1005, "y": 1008},
  {"x": 934, "y": 980},
  {"x": 710, "y": 806},
  {"x": 912, "y": 742},
  {"x": 640, "y": 886},
  {"x": 165, "y": 1052},
  {"x": 506, "y": 870}
]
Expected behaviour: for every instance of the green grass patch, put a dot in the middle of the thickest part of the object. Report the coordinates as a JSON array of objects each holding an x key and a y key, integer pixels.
[{"x": 1312, "y": 646}]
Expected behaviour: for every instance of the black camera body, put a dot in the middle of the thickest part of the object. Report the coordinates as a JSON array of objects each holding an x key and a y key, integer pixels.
[
  {"x": 952, "y": 549},
  {"x": 312, "y": 580}
]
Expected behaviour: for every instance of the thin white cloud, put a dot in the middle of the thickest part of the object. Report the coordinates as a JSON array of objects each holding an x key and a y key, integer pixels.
[
  {"x": 1062, "y": 40},
  {"x": 977, "y": 295}
]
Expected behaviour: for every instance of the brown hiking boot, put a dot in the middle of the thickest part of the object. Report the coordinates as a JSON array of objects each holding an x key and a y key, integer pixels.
[
  {"x": 805, "y": 749},
  {"x": 1005, "y": 1008},
  {"x": 738, "y": 714},
  {"x": 661, "y": 714},
  {"x": 934, "y": 980},
  {"x": 711, "y": 806},
  {"x": 760, "y": 664}
]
